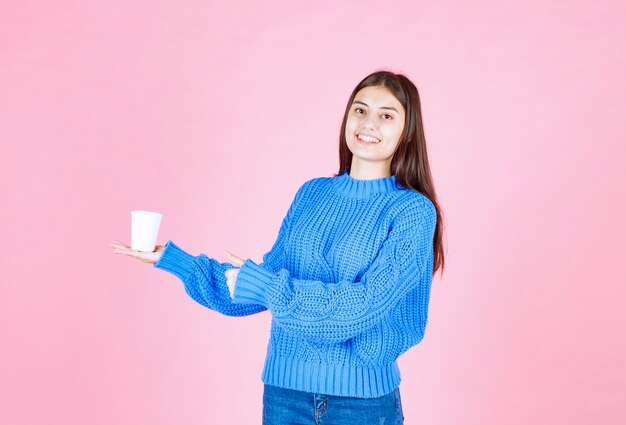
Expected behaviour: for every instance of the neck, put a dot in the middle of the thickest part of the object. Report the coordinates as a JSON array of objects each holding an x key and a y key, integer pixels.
[{"x": 367, "y": 170}]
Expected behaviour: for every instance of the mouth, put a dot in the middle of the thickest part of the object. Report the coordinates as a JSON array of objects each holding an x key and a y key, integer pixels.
[{"x": 366, "y": 139}]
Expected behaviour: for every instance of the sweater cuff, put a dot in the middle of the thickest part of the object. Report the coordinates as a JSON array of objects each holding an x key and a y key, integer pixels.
[
  {"x": 252, "y": 280},
  {"x": 175, "y": 261}
]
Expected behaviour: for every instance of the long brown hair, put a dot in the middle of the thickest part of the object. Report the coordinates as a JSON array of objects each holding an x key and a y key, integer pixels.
[{"x": 409, "y": 164}]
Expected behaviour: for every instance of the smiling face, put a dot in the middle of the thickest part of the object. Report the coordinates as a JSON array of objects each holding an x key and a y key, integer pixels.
[{"x": 373, "y": 128}]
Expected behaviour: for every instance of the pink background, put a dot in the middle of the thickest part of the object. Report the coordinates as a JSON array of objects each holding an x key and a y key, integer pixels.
[{"x": 214, "y": 114}]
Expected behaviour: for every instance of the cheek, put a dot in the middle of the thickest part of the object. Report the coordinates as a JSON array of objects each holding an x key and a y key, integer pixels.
[
  {"x": 397, "y": 132},
  {"x": 351, "y": 126},
  {"x": 392, "y": 134}
]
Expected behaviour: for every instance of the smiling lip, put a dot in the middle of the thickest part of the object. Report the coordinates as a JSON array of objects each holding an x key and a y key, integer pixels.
[{"x": 366, "y": 139}]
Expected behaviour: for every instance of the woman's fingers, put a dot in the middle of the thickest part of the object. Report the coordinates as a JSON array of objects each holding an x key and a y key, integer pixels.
[
  {"x": 120, "y": 247},
  {"x": 235, "y": 259},
  {"x": 118, "y": 244},
  {"x": 147, "y": 257}
]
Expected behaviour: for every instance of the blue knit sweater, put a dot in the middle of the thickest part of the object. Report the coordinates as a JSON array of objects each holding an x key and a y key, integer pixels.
[{"x": 347, "y": 283}]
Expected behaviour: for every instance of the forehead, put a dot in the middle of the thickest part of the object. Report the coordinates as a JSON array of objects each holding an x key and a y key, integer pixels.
[{"x": 378, "y": 97}]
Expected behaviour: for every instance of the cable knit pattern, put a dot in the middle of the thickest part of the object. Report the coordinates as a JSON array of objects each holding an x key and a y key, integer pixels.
[{"x": 347, "y": 283}]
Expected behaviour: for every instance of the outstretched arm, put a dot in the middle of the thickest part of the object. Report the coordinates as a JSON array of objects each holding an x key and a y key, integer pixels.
[
  {"x": 204, "y": 279},
  {"x": 338, "y": 311}
]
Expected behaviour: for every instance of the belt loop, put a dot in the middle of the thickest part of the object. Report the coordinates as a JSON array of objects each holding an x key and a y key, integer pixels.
[{"x": 321, "y": 404}]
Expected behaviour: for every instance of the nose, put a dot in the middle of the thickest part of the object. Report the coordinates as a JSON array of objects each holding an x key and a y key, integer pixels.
[{"x": 369, "y": 124}]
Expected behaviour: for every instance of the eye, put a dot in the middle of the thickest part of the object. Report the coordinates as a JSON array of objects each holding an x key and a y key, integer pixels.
[
  {"x": 387, "y": 116},
  {"x": 359, "y": 110}
]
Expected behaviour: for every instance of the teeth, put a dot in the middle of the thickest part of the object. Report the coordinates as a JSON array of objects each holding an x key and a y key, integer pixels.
[{"x": 368, "y": 139}]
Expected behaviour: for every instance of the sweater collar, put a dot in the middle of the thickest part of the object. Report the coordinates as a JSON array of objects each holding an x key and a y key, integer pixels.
[{"x": 357, "y": 188}]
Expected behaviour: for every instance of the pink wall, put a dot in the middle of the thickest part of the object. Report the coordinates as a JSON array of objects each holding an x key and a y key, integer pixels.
[{"x": 215, "y": 114}]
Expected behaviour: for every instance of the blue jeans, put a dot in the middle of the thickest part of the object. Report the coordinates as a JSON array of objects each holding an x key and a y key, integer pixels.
[{"x": 285, "y": 407}]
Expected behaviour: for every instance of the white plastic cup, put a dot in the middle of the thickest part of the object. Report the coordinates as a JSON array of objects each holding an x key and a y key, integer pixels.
[{"x": 144, "y": 230}]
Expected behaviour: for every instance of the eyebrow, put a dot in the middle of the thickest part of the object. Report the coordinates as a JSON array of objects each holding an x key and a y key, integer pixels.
[{"x": 382, "y": 107}]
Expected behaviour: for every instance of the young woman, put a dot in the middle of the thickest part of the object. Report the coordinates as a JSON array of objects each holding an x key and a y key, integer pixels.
[{"x": 347, "y": 281}]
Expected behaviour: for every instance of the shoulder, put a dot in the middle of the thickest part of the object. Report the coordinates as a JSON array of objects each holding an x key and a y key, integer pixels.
[
  {"x": 408, "y": 198},
  {"x": 305, "y": 191},
  {"x": 313, "y": 185},
  {"x": 414, "y": 207},
  {"x": 316, "y": 182}
]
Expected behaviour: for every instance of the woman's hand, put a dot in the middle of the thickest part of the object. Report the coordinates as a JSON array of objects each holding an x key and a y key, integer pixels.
[
  {"x": 231, "y": 274},
  {"x": 153, "y": 257},
  {"x": 146, "y": 257}
]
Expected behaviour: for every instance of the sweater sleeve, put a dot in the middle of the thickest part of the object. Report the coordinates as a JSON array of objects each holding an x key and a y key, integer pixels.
[
  {"x": 204, "y": 279},
  {"x": 337, "y": 311}
]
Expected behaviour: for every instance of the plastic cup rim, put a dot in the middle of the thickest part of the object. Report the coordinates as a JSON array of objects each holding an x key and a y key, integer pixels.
[{"x": 153, "y": 213}]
